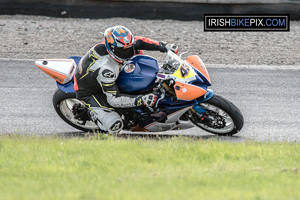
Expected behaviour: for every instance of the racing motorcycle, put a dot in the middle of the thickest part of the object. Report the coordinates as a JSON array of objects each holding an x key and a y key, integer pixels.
[{"x": 184, "y": 100}]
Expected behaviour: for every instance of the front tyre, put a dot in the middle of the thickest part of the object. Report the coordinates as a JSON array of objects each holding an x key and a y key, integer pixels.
[
  {"x": 63, "y": 104},
  {"x": 221, "y": 117}
]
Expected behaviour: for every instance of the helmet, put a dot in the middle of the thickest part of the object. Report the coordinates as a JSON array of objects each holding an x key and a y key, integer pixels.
[{"x": 119, "y": 43}]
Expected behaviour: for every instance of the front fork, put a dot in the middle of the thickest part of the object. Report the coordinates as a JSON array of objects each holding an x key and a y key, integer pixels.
[{"x": 199, "y": 109}]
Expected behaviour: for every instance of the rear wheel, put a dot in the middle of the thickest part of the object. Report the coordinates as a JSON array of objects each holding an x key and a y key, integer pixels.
[
  {"x": 63, "y": 104},
  {"x": 221, "y": 117}
]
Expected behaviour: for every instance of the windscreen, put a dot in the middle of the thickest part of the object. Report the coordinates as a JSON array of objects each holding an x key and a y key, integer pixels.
[{"x": 172, "y": 63}]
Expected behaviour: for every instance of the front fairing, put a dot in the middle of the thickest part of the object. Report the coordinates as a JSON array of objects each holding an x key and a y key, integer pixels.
[{"x": 188, "y": 82}]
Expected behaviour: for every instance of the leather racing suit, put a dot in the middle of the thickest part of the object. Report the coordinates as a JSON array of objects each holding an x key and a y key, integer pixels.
[{"x": 95, "y": 84}]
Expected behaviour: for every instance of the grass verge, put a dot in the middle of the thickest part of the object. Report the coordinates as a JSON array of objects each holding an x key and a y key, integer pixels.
[{"x": 34, "y": 167}]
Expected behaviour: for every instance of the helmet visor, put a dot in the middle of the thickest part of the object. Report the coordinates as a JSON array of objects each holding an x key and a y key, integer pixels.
[{"x": 124, "y": 53}]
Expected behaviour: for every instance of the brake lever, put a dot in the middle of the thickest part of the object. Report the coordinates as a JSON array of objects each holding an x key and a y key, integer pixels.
[{"x": 151, "y": 109}]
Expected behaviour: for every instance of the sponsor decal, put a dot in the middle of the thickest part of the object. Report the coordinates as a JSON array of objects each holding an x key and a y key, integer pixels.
[
  {"x": 139, "y": 102},
  {"x": 107, "y": 73},
  {"x": 116, "y": 126},
  {"x": 126, "y": 40},
  {"x": 129, "y": 68}
]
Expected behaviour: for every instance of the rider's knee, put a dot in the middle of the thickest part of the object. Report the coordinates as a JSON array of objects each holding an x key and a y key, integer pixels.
[{"x": 107, "y": 120}]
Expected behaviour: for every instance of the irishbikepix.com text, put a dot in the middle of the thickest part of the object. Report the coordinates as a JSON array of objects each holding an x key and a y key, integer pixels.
[{"x": 246, "y": 23}]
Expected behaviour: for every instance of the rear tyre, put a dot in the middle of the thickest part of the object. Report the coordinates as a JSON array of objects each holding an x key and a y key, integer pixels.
[
  {"x": 222, "y": 117},
  {"x": 63, "y": 104}
]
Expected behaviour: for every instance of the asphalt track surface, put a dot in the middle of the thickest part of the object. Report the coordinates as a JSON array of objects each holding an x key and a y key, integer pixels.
[{"x": 268, "y": 99}]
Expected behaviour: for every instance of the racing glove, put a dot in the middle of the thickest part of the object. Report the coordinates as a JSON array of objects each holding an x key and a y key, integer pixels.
[
  {"x": 164, "y": 47},
  {"x": 147, "y": 100}
]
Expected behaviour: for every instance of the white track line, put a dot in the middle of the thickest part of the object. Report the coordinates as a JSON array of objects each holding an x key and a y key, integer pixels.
[
  {"x": 234, "y": 66},
  {"x": 263, "y": 67},
  {"x": 16, "y": 59}
]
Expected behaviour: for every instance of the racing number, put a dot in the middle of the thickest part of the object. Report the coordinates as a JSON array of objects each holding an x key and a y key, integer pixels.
[
  {"x": 184, "y": 70},
  {"x": 109, "y": 38},
  {"x": 120, "y": 31}
]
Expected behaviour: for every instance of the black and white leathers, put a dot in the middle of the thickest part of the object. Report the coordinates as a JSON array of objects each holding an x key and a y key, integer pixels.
[{"x": 95, "y": 84}]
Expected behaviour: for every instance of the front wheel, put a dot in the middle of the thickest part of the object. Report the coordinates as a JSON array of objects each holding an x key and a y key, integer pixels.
[
  {"x": 63, "y": 104},
  {"x": 221, "y": 117}
]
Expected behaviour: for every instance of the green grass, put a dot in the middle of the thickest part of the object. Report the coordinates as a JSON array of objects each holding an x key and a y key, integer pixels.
[{"x": 34, "y": 167}]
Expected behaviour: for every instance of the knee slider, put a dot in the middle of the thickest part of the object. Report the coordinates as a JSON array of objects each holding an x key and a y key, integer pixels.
[{"x": 116, "y": 127}]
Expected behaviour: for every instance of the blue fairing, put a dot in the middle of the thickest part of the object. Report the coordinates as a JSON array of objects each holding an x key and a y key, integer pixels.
[
  {"x": 202, "y": 99},
  {"x": 201, "y": 78},
  {"x": 76, "y": 59},
  {"x": 67, "y": 88},
  {"x": 143, "y": 76}
]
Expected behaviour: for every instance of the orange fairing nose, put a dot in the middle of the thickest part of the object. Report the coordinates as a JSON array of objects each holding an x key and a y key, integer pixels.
[
  {"x": 197, "y": 63},
  {"x": 188, "y": 92}
]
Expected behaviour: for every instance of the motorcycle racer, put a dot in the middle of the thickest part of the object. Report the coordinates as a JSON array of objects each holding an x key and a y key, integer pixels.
[{"x": 97, "y": 72}]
